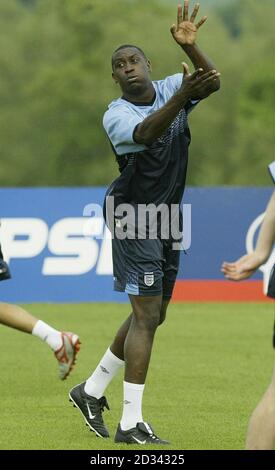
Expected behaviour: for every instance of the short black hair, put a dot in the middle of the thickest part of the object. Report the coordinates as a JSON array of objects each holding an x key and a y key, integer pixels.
[{"x": 124, "y": 46}]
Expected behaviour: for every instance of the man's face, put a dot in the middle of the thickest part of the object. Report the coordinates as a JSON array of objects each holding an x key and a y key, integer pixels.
[{"x": 131, "y": 70}]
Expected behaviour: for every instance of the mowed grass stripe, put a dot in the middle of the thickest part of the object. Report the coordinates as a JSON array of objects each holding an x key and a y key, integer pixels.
[{"x": 209, "y": 367}]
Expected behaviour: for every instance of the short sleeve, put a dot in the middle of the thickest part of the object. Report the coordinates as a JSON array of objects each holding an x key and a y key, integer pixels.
[
  {"x": 119, "y": 123},
  {"x": 172, "y": 84}
]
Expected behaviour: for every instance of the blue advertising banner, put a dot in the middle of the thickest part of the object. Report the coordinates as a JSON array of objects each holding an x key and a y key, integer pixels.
[{"x": 58, "y": 255}]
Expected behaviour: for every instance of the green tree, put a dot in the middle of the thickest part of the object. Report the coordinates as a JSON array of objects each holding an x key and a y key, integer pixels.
[{"x": 55, "y": 84}]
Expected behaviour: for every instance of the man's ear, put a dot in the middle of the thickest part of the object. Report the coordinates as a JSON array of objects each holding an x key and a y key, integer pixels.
[
  {"x": 149, "y": 65},
  {"x": 114, "y": 78}
]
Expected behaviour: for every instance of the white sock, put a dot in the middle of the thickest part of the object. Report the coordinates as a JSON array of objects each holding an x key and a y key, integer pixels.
[
  {"x": 48, "y": 334},
  {"x": 102, "y": 376},
  {"x": 132, "y": 405}
]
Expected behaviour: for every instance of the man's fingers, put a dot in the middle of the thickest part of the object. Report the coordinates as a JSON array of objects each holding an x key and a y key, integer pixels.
[
  {"x": 229, "y": 272},
  {"x": 234, "y": 277},
  {"x": 209, "y": 76},
  {"x": 227, "y": 264},
  {"x": 212, "y": 78},
  {"x": 235, "y": 272},
  {"x": 238, "y": 276},
  {"x": 185, "y": 10},
  {"x": 180, "y": 15},
  {"x": 200, "y": 23},
  {"x": 196, "y": 73},
  {"x": 238, "y": 270},
  {"x": 173, "y": 29},
  {"x": 195, "y": 12},
  {"x": 186, "y": 71},
  {"x": 228, "y": 267}
]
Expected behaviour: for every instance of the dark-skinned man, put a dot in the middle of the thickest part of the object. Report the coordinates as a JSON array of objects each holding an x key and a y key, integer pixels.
[{"x": 149, "y": 133}]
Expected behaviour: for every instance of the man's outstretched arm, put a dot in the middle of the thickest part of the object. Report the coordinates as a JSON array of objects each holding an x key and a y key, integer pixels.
[
  {"x": 204, "y": 81},
  {"x": 245, "y": 266},
  {"x": 185, "y": 34},
  {"x": 192, "y": 86}
]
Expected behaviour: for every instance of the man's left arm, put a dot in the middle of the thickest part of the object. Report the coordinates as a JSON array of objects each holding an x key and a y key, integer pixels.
[
  {"x": 247, "y": 264},
  {"x": 185, "y": 34}
]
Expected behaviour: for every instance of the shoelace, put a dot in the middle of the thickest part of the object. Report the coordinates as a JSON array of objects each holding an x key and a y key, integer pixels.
[
  {"x": 103, "y": 404},
  {"x": 99, "y": 405},
  {"x": 149, "y": 431},
  {"x": 153, "y": 436}
]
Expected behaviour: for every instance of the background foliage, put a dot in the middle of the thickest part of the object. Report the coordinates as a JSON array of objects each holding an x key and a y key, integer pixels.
[{"x": 55, "y": 84}]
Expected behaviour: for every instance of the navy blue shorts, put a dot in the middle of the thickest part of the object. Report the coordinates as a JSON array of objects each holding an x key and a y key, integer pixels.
[{"x": 145, "y": 267}]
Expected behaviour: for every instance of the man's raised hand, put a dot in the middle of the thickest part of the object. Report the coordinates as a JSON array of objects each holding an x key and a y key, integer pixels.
[{"x": 185, "y": 32}]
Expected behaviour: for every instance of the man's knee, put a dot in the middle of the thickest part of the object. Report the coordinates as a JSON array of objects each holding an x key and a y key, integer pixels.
[
  {"x": 151, "y": 316},
  {"x": 147, "y": 311}
]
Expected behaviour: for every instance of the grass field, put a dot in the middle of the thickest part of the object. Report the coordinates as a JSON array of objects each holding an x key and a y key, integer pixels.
[{"x": 210, "y": 365}]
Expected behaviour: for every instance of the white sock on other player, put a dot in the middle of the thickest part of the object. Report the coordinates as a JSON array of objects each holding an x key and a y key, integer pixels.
[{"x": 48, "y": 334}]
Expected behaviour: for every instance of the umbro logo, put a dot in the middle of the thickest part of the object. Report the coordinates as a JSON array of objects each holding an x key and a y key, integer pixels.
[
  {"x": 104, "y": 370},
  {"x": 91, "y": 416}
]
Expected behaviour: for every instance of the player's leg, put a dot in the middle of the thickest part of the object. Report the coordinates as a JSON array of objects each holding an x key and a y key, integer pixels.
[
  {"x": 168, "y": 284},
  {"x": 117, "y": 346},
  {"x": 83, "y": 394},
  {"x": 137, "y": 353},
  {"x": 164, "y": 269},
  {"x": 64, "y": 344},
  {"x": 97, "y": 383},
  {"x": 18, "y": 318},
  {"x": 110, "y": 363},
  {"x": 261, "y": 428},
  {"x": 117, "y": 349},
  {"x": 113, "y": 358},
  {"x": 144, "y": 286},
  {"x": 139, "y": 340},
  {"x": 88, "y": 396}
]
